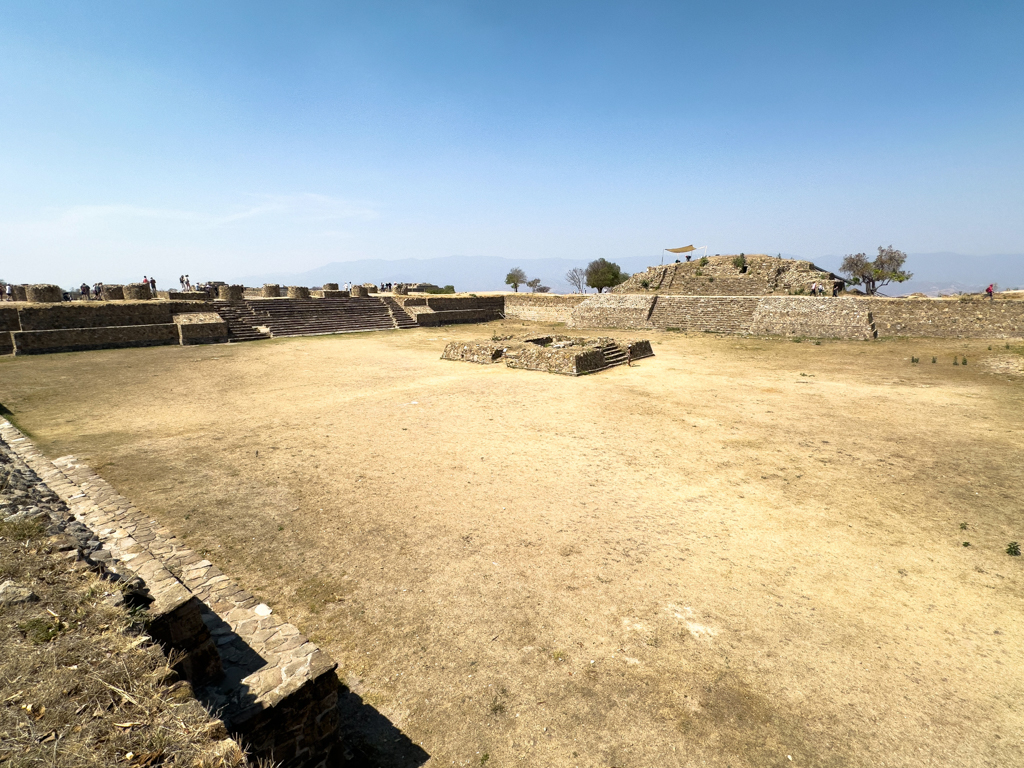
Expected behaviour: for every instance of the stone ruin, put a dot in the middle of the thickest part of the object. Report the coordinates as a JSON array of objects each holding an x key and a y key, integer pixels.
[
  {"x": 567, "y": 355},
  {"x": 734, "y": 275}
]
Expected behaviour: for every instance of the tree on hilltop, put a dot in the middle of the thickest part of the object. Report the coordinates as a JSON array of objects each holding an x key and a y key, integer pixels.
[
  {"x": 536, "y": 287},
  {"x": 602, "y": 274},
  {"x": 515, "y": 278},
  {"x": 577, "y": 278},
  {"x": 886, "y": 268}
]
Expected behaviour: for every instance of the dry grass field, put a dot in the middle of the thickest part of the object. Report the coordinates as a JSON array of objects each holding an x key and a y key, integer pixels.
[{"x": 740, "y": 552}]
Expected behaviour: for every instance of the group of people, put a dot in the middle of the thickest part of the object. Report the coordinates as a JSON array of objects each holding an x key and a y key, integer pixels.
[
  {"x": 85, "y": 290},
  {"x": 186, "y": 283},
  {"x": 818, "y": 289}
]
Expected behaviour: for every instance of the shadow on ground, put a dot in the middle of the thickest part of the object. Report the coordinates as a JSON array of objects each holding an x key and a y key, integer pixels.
[{"x": 370, "y": 740}]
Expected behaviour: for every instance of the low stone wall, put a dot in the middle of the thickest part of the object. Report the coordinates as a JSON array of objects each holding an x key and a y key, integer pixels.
[
  {"x": 201, "y": 328},
  {"x": 266, "y": 681},
  {"x": 6, "y": 343},
  {"x": 541, "y": 307},
  {"x": 330, "y": 286},
  {"x": 137, "y": 291},
  {"x": 358, "y": 291},
  {"x": 41, "y": 294},
  {"x": 181, "y": 295},
  {"x": 428, "y": 318},
  {"x": 80, "y": 339},
  {"x": 482, "y": 352},
  {"x": 445, "y": 303},
  {"x": 18, "y": 293},
  {"x": 112, "y": 293},
  {"x": 270, "y": 291},
  {"x": 298, "y": 292},
  {"x": 824, "y": 317},
  {"x": 612, "y": 311}
]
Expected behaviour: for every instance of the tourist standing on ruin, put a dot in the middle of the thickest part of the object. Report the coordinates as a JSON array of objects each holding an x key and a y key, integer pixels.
[
  {"x": 84, "y": 290},
  {"x": 188, "y": 284},
  {"x": 152, "y": 285},
  {"x": 990, "y": 291}
]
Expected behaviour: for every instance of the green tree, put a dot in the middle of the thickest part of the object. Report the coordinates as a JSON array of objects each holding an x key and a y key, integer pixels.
[
  {"x": 886, "y": 268},
  {"x": 602, "y": 274},
  {"x": 536, "y": 287},
  {"x": 515, "y": 278}
]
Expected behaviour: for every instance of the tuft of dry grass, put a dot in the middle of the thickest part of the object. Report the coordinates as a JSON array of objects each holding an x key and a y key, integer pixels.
[{"x": 81, "y": 684}]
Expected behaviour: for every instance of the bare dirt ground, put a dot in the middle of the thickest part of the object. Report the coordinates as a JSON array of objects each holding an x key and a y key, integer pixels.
[{"x": 741, "y": 552}]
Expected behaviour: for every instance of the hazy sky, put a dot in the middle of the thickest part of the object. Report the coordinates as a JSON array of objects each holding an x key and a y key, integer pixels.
[{"x": 224, "y": 139}]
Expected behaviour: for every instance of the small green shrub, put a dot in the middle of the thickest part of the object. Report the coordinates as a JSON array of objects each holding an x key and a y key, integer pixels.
[
  {"x": 964, "y": 362},
  {"x": 645, "y": 283},
  {"x": 1013, "y": 549},
  {"x": 41, "y": 631},
  {"x": 915, "y": 359},
  {"x": 740, "y": 262},
  {"x": 967, "y": 543},
  {"x": 711, "y": 279},
  {"x": 963, "y": 526},
  {"x": 935, "y": 359},
  {"x": 956, "y": 361},
  {"x": 699, "y": 272},
  {"x": 703, "y": 261}
]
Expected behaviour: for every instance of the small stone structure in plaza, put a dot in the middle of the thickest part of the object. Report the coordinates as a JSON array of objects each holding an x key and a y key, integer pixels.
[{"x": 567, "y": 355}]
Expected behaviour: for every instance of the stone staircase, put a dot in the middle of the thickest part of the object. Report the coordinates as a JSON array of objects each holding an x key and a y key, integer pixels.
[
  {"x": 712, "y": 314},
  {"x": 613, "y": 355},
  {"x": 242, "y": 321},
  {"x": 312, "y": 317},
  {"x": 401, "y": 318}
]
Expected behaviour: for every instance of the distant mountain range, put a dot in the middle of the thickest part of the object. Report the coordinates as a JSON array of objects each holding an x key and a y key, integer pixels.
[{"x": 934, "y": 273}]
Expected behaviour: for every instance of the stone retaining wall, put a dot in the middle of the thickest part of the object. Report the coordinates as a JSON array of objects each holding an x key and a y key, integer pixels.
[
  {"x": 6, "y": 343},
  {"x": 201, "y": 328},
  {"x": 100, "y": 314},
  {"x": 825, "y": 317},
  {"x": 112, "y": 293},
  {"x": 705, "y": 314},
  {"x": 80, "y": 339},
  {"x": 9, "y": 319},
  {"x": 841, "y": 317},
  {"x": 611, "y": 311},
  {"x": 541, "y": 307},
  {"x": 267, "y": 682},
  {"x": 948, "y": 318}
]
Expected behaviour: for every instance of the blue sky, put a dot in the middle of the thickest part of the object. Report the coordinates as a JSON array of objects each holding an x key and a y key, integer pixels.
[{"x": 225, "y": 139}]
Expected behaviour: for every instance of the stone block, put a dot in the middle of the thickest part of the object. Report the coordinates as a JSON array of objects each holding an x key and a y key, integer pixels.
[
  {"x": 298, "y": 292},
  {"x": 137, "y": 291},
  {"x": 44, "y": 294},
  {"x": 230, "y": 292}
]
